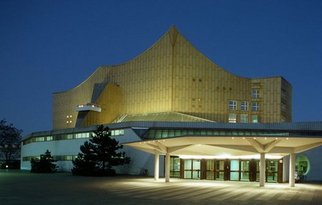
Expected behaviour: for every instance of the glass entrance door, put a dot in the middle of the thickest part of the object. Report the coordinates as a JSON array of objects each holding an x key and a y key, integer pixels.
[
  {"x": 244, "y": 170},
  {"x": 220, "y": 169},
  {"x": 271, "y": 170},
  {"x": 234, "y": 170},
  {"x": 210, "y": 169},
  {"x": 192, "y": 169}
]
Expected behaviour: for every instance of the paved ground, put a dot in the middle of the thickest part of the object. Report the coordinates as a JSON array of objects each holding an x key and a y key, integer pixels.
[{"x": 62, "y": 188}]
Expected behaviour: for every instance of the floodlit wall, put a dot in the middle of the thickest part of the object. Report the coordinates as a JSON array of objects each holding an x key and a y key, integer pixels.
[{"x": 171, "y": 76}]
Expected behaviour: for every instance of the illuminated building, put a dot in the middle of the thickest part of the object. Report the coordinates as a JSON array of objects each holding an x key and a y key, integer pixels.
[{"x": 212, "y": 121}]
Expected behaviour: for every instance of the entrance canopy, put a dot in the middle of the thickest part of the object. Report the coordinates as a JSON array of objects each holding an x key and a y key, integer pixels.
[{"x": 225, "y": 140}]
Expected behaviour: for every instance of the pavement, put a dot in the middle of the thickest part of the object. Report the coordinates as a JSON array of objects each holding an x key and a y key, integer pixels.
[{"x": 18, "y": 187}]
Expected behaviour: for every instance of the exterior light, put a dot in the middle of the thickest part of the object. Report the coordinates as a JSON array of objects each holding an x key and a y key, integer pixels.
[
  {"x": 254, "y": 138},
  {"x": 244, "y": 138},
  {"x": 287, "y": 138},
  {"x": 233, "y": 138}
]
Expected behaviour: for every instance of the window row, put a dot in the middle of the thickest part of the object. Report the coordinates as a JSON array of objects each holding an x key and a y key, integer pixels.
[
  {"x": 55, "y": 157},
  {"x": 243, "y": 118},
  {"x": 243, "y": 105},
  {"x": 170, "y": 133},
  {"x": 82, "y": 135}
]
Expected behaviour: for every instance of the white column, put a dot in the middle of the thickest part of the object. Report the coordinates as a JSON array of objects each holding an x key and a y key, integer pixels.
[
  {"x": 167, "y": 167},
  {"x": 156, "y": 166},
  {"x": 262, "y": 169},
  {"x": 292, "y": 170}
]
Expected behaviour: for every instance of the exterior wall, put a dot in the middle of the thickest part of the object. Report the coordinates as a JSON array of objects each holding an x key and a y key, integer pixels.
[
  {"x": 141, "y": 162},
  {"x": 314, "y": 156},
  {"x": 171, "y": 76},
  {"x": 60, "y": 147}
]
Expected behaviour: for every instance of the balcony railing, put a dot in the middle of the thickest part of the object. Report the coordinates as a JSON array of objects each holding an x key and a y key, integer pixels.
[{"x": 88, "y": 107}]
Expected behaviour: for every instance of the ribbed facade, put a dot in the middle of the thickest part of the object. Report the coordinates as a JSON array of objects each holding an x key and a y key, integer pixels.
[{"x": 173, "y": 76}]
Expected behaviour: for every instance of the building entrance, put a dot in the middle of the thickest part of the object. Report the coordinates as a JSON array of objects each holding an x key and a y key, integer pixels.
[{"x": 225, "y": 169}]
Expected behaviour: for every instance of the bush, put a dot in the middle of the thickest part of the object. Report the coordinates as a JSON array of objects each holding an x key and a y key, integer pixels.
[
  {"x": 43, "y": 165},
  {"x": 99, "y": 155}
]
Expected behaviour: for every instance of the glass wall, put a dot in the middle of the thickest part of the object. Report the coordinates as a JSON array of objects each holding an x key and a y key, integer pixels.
[
  {"x": 271, "y": 170},
  {"x": 192, "y": 169},
  {"x": 210, "y": 169},
  {"x": 234, "y": 170},
  {"x": 228, "y": 169},
  {"x": 244, "y": 170},
  {"x": 175, "y": 167},
  {"x": 220, "y": 169}
]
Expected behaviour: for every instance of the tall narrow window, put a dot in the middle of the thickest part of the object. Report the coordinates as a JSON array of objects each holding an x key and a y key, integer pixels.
[
  {"x": 254, "y": 118},
  {"x": 244, "y": 106},
  {"x": 255, "y": 93},
  {"x": 244, "y": 118},
  {"x": 232, "y": 118},
  {"x": 255, "y": 106},
  {"x": 232, "y": 105}
]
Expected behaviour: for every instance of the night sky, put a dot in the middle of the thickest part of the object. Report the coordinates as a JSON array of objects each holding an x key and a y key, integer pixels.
[{"x": 53, "y": 45}]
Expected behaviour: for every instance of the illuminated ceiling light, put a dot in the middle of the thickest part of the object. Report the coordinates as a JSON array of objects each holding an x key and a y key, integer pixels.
[
  {"x": 67, "y": 116},
  {"x": 229, "y": 156}
]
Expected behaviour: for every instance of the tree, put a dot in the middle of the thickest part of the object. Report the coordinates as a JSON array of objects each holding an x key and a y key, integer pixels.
[
  {"x": 45, "y": 164},
  {"x": 10, "y": 138},
  {"x": 99, "y": 155}
]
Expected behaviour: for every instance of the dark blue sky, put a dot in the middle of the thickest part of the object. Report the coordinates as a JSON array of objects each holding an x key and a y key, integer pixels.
[{"x": 53, "y": 45}]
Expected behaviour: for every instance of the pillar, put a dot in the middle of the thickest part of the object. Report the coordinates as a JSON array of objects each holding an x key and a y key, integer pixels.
[
  {"x": 167, "y": 167},
  {"x": 262, "y": 169},
  {"x": 156, "y": 166},
  {"x": 292, "y": 170}
]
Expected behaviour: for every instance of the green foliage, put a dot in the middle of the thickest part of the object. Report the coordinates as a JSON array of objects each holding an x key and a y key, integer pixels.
[
  {"x": 10, "y": 138},
  {"x": 43, "y": 165},
  {"x": 99, "y": 155}
]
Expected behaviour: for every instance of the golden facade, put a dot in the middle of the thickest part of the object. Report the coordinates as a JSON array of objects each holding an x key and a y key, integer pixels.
[{"x": 172, "y": 77}]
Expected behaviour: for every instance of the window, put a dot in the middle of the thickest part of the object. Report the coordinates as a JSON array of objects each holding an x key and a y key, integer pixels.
[
  {"x": 117, "y": 132},
  {"x": 232, "y": 118},
  {"x": 40, "y": 139},
  {"x": 244, "y": 118},
  {"x": 244, "y": 106},
  {"x": 232, "y": 105},
  {"x": 255, "y": 106},
  {"x": 255, "y": 93},
  {"x": 254, "y": 119}
]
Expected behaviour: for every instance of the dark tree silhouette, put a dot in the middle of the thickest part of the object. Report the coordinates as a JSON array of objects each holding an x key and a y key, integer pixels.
[
  {"x": 10, "y": 138},
  {"x": 99, "y": 155},
  {"x": 43, "y": 165}
]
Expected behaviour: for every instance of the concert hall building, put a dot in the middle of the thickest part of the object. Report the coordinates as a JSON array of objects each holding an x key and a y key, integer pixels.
[{"x": 180, "y": 115}]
